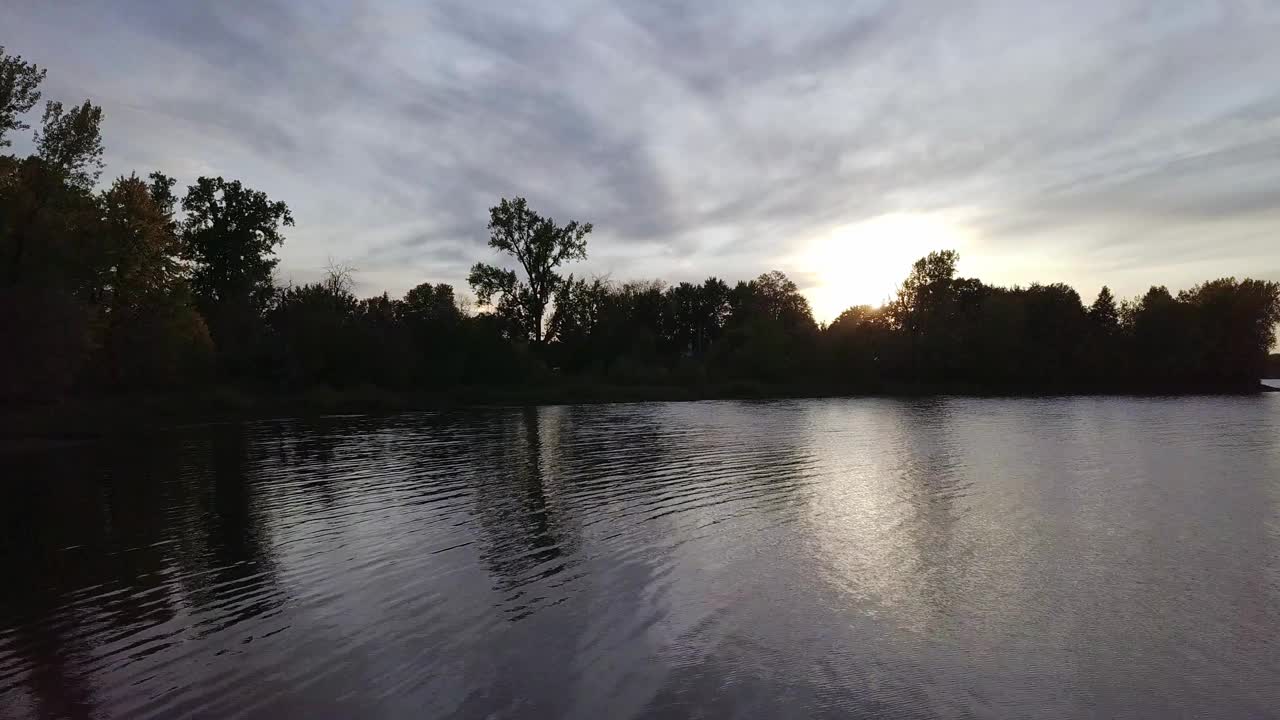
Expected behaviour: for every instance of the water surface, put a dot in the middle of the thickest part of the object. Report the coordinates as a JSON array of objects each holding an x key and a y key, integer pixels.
[{"x": 1108, "y": 557}]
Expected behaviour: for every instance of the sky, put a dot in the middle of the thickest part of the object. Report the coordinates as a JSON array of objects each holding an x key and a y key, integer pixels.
[{"x": 1092, "y": 142}]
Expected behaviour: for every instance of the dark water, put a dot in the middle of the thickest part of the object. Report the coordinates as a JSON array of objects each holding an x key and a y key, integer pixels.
[{"x": 843, "y": 558}]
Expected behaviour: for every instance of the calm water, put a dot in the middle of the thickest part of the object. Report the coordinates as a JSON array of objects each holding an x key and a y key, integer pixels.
[{"x": 1104, "y": 557}]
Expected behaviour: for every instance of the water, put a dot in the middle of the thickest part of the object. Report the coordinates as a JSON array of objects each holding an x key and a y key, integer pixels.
[{"x": 1106, "y": 557}]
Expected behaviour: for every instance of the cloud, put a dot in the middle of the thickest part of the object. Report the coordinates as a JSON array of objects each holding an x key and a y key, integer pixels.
[{"x": 703, "y": 138}]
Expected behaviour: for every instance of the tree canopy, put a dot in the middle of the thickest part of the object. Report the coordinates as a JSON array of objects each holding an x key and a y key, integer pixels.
[{"x": 539, "y": 246}]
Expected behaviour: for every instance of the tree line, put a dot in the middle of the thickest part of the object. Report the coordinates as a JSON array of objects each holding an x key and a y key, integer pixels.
[{"x": 137, "y": 286}]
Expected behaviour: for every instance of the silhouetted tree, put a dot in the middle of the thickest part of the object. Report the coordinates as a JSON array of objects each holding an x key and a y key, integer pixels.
[
  {"x": 1103, "y": 358},
  {"x": 578, "y": 325},
  {"x": 230, "y": 234},
  {"x": 539, "y": 246},
  {"x": 924, "y": 288},
  {"x": 71, "y": 140},
  {"x": 47, "y": 256},
  {"x": 151, "y": 333},
  {"x": 314, "y": 326},
  {"x": 1236, "y": 324},
  {"x": 1104, "y": 312},
  {"x": 1163, "y": 338},
  {"x": 434, "y": 325},
  {"x": 857, "y": 344},
  {"x": 770, "y": 334},
  {"x": 1054, "y": 334},
  {"x": 47, "y": 202},
  {"x": 19, "y": 92}
]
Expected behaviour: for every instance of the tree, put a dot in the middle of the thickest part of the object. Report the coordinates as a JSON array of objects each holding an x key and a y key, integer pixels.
[
  {"x": 149, "y": 333},
  {"x": 230, "y": 236},
  {"x": 19, "y": 92},
  {"x": 1102, "y": 358},
  {"x": 427, "y": 303},
  {"x": 1163, "y": 332},
  {"x": 770, "y": 334},
  {"x": 314, "y": 326},
  {"x": 161, "y": 190},
  {"x": 139, "y": 245},
  {"x": 47, "y": 216},
  {"x": 540, "y": 246},
  {"x": 387, "y": 356},
  {"x": 1236, "y": 327},
  {"x": 1103, "y": 312},
  {"x": 920, "y": 292},
  {"x": 434, "y": 326},
  {"x": 774, "y": 296},
  {"x": 231, "y": 233},
  {"x": 71, "y": 140},
  {"x": 578, "y": 325},
  {"x": 927, "y": 308},
  {"x": 683, "y": 300},
  {"x": 46, "y": 200},
  {"x": 1054, "y": 334},
  {"x": 856, "y": 343}
]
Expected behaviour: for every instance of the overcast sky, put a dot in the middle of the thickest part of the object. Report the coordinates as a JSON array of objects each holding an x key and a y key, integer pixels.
[{"x": 1090, "y": 142}]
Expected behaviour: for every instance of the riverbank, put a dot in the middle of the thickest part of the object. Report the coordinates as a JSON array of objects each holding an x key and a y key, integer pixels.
[{"x": 79, "y": 419}]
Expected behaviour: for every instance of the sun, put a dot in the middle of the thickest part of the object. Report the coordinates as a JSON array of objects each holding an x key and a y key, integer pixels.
[{"x": 862, "y": 263}]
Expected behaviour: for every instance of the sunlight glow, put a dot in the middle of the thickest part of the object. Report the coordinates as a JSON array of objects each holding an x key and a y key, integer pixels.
[{"x": 862, "y": 263}]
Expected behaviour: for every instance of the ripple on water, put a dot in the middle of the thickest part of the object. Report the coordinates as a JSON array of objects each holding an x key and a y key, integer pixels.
[{"x": 924, "y": 558}]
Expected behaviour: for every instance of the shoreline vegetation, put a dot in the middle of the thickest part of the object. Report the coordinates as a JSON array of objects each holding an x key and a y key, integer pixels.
[{"x": 131, "y": 304}]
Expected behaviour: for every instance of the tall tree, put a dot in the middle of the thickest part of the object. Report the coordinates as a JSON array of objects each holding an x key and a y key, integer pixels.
[
  {"x": 433, "y": 324},
  {"x": 1104, "y": 312},
  {"x": 71, "y": 141},
  {"x": 231, "y": 233},
  {"x": 427, "y": 303},
  {"x": 776, "y": 297},
  {"x": 140, "y": 250},
  {"x": 1236, "y": 325},
  {"x": 230, "y": 236},
  {"x": 924, "y": 288},
  {"x": 540, "y": 246},
  {"x": 47, "y": 201},
  {"x": 19, "y": 92}
]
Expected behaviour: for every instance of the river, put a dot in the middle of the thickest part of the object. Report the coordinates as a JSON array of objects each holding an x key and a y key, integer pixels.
[{"x": 949, "y": 557}]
